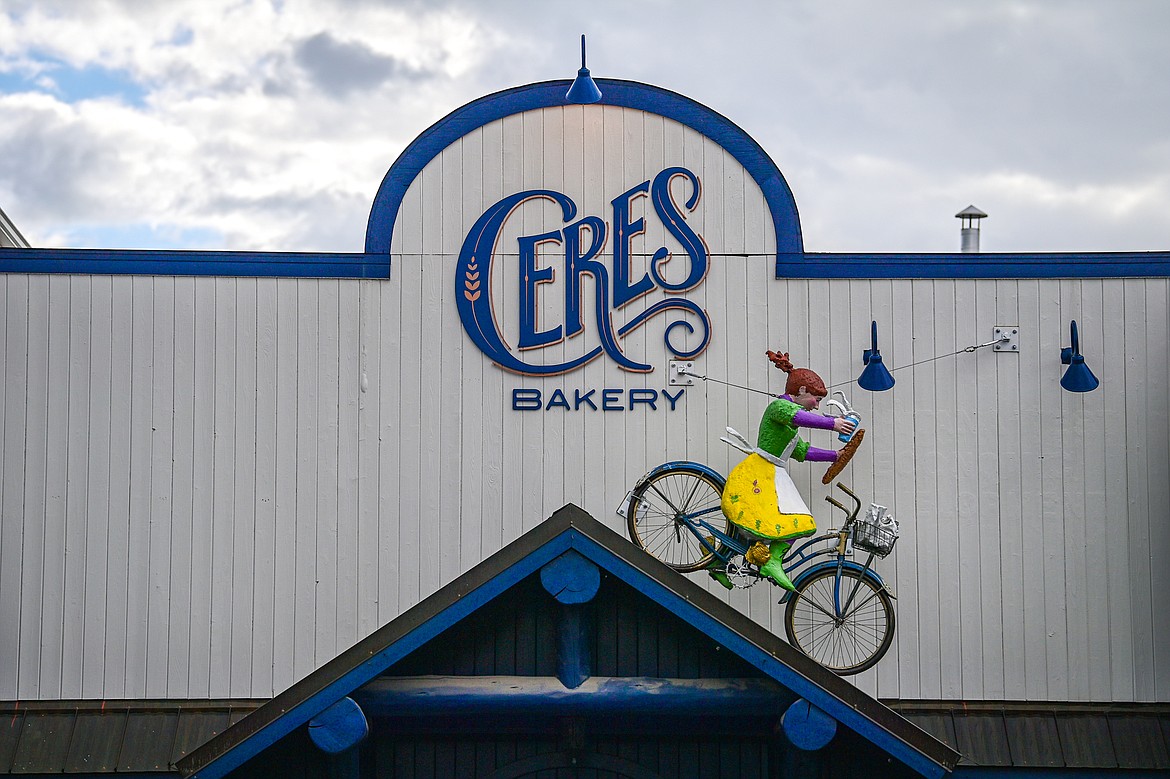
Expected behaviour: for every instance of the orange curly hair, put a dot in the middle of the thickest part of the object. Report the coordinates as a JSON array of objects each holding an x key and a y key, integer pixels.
[{"x": 798, "y": 377}]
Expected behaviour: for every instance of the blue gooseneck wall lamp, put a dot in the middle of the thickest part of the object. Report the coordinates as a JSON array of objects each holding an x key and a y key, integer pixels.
[
  {"x": 583, "y": 91},
  {"x": 875, "y": 377},
  {"x": 1078, "y": 377}
]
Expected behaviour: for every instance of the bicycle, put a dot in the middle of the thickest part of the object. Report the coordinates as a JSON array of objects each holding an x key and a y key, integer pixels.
[{"x": 841, "y": 613}]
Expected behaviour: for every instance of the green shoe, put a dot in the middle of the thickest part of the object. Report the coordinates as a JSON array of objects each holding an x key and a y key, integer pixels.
[
  {"x": 721, "y": 577},
  {"x": 774, "y": 570}
]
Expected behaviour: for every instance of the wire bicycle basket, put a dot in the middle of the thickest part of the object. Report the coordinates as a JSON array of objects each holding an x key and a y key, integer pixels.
[{"x": 877, "y": 531}]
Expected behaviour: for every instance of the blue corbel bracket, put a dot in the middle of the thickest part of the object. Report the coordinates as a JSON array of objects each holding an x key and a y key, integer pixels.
[
  {"x": 571, "y": 578},
  {"x": 339, "y": 728},
  {"x": 573, "y": 581},
  {"x": 807, "y": 727}
]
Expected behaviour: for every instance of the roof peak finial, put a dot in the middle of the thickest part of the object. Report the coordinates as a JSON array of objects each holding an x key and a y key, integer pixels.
[{"x": 584, "y": 90}]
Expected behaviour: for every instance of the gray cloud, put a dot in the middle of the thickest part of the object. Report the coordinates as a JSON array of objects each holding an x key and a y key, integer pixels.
[
  {"x": 57, "y": 168},
  {"x": 313, "y": 219},
  {"x": 340, "y": 68},
  {"x": 885, "y": 119}
]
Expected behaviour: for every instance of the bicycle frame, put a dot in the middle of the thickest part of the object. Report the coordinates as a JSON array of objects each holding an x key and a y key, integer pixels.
[
  {"x": 839, "y": 611},
  {"x": 725, "y": 546}
]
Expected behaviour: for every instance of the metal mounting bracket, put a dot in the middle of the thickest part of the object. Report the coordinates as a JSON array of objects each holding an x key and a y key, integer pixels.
[
  {"x": 680, "y": 373},
  {"x": 1007, "y": 338}
]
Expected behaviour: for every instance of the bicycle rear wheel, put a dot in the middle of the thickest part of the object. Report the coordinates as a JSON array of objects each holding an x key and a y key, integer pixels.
[
  {"x": 659, "y": 508},
  {"x": 846, "y": 644}
]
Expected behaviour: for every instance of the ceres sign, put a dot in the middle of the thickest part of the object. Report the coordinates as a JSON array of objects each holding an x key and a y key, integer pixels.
[
  {"x": 554, "y": 263},
  {"x": 577, "y": 242}
]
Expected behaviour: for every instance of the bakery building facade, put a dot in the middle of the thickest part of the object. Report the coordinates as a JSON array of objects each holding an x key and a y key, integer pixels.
[{"x": 355, "y": 514}]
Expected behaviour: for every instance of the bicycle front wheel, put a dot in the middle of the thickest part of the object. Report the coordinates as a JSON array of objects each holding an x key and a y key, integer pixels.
[
  {"x": 846, "y": 643},
  {"x": 658, "y": 516}
]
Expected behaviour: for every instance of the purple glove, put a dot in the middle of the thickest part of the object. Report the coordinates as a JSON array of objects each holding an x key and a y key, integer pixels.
[
  {"x": 809, "y": 419},
  {"x": 820, "y": 455}
]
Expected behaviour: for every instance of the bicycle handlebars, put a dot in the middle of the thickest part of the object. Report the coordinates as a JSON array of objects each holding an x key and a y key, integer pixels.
[
  {"x": 856, "y": 502},
  {"x": 835, "y": 502}
]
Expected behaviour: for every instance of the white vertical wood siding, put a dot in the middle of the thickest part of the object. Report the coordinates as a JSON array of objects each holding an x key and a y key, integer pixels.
[{"x": 212, "y": 486}]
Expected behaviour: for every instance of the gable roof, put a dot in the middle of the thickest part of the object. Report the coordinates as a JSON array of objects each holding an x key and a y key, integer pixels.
[
  {"x": 9, "y": 235},
  {"x": 570, "y": 528}
]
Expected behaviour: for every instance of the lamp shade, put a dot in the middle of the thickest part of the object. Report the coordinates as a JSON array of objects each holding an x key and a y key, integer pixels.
[
  {"x": 1078, "y": 377},
  {"x": 876, "y": 377},
  {"x": 583, "y": 91}
]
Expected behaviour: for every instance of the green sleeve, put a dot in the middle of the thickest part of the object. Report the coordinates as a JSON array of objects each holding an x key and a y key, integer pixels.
[
  {"x": 780, "y": 412},
  {"x": 776, "y": 428},
  {"x": 800, "y": 451}
]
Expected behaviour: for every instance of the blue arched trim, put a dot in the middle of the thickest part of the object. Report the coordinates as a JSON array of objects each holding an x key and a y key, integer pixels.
[{"x": 627, "y": 94}]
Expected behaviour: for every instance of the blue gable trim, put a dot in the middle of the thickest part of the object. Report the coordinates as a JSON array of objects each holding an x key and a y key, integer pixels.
[
  {"x": 379, "y": 660},
  {"x": 627, "y": 94},
  {"x": 569, "y": 529},
  {"x": 836, "y": 707},
  {"x": 194, "y": 263}
]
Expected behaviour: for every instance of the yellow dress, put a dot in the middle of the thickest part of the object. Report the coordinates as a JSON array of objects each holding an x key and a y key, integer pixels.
[{"x": 759, "y": 495}]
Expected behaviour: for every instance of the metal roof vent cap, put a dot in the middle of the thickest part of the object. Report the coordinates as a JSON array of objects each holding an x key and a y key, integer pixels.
[{"x": 969, "y": 235}]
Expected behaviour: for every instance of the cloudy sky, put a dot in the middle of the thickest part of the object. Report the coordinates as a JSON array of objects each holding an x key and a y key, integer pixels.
[{"x": 269, "y": 124}]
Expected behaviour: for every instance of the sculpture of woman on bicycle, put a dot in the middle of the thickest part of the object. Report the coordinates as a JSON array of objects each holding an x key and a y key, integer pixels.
[{"x": 760, "y": 498}]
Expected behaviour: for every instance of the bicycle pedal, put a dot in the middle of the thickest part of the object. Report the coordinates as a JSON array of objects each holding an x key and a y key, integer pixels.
[{"x": 721, "y": 577}]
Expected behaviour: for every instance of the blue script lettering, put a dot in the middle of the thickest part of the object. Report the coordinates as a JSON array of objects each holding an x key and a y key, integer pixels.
[
  {"x": 623, "y": 231},
  {"x": 580, "y": 243},
  {"x": 530, "y": 276}
]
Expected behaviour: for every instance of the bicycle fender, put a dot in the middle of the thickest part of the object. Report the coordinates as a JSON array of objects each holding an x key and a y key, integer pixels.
[
  {"x": 869, "y": 573},
  {"x": 687, "y": 465}
]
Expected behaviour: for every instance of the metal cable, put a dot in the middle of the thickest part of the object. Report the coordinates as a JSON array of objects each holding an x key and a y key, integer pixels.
[{"x": 966, "y": 349}]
